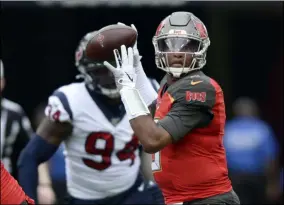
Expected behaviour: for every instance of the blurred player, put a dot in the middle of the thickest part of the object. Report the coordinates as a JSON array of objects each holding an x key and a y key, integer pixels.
[
  {"x": 186, "y": 134},
  {"x": 15, "y": 129},
  {"x": 15, "y": 132},
  {"x": 102, "y": 155},
  {"x": 11, "y": 191}
]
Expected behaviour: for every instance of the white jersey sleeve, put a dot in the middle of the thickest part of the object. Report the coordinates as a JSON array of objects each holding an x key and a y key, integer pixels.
[{"x": 58, "y": 108}]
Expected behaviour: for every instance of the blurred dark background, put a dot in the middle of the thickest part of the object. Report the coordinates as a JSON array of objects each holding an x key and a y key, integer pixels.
[{"x": 246, "y": 57}]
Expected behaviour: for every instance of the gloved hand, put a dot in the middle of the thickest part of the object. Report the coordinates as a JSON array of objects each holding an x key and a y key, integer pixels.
[
  {"x": 136, "y": 55},
  {"x": 124, "y": 73},
  {"x": 144, "y": 86},
  {"x": 125, "y": 78}
]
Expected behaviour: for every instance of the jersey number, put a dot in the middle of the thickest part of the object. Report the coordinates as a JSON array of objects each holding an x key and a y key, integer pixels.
[
  {"x": 53, "y": 115},
  {"x": 102, "y": 144},
  {"x": 156, "y": 161}
]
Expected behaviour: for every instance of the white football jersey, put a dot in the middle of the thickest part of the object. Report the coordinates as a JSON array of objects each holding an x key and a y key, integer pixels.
[{"x": 102, "y": 160}]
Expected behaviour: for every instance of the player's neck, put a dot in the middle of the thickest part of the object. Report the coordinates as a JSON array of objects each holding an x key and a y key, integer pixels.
[
  {"x": 110, "y": 101},
  {"x": 171, "y": 80},
  {"x": 115, "y": 101}
]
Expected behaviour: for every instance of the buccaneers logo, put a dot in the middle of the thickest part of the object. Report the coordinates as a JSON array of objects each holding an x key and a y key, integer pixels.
[{"x": 200, "y": 28}]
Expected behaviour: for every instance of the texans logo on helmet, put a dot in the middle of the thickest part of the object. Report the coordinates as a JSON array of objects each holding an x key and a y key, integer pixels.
[{"x": 79, "y": 55}]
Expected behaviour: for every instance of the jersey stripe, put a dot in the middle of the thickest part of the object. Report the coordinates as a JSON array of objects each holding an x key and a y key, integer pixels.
[{"x": 62, "y": 97}]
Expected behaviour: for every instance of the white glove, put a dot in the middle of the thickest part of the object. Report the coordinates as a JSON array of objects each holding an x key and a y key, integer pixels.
[
  {"x": 142, "y": 84},
  {"x": 124, "y": 73},
  {"x": 125, "y": 78}
]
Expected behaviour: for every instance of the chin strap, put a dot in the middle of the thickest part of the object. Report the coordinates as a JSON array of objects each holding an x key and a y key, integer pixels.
[{"x": 133, "y": 103}]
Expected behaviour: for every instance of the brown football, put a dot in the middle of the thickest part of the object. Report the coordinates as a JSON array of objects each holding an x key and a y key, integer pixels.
[{"x": 101, "y": 46}]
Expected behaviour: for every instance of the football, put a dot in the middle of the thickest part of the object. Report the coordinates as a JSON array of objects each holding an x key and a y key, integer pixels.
[{"x": 101, "y": 46}]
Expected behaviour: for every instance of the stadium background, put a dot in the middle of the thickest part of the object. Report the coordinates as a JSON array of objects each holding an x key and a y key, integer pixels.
[{"x": 38, "y": 41}]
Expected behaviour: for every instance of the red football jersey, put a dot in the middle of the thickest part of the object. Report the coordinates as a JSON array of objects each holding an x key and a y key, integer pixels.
[
  {"x": 193, "y": 167},
  {"x": 11, "y": 191}
]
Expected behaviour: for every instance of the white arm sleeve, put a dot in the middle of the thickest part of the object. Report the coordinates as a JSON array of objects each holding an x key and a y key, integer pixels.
[
  {"x": 154, "y": 84},
  {"x": 145, "y": 87},
  {"x": 55, "y": 110}
]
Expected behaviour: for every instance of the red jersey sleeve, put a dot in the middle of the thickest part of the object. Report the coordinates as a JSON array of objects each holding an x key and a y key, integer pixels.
[{"x": 11, "y": 191}]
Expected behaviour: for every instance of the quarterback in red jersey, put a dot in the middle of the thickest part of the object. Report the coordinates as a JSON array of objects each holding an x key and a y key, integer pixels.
[
  {"x": 186, "y": 134},
  {"x": 11, "y": 191}
]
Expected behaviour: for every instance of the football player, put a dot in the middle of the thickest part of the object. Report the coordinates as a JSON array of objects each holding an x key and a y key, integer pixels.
[
  {"x": 186, "y": 134},
  {"x": 102, "y": 153}
]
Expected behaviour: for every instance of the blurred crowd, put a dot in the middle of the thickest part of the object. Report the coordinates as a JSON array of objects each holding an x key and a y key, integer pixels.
[{"x": 252, "y": 155}]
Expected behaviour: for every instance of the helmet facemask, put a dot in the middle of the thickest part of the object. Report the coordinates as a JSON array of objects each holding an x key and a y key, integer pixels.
[
  {"x": 99, "y": 79},
  {"x": 181, "y": 45}
]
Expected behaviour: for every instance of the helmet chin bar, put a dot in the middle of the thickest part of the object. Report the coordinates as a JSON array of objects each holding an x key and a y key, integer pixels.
[
  {"x": 175, "y": 71},
  {"x": 110, "y": 93}
]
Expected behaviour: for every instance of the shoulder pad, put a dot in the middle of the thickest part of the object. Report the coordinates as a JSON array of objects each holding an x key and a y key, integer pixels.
[
  {"x": 194, "y": 90},
  {"x": 55, "y": 110},
  {"x": 58, "y": 108}
]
